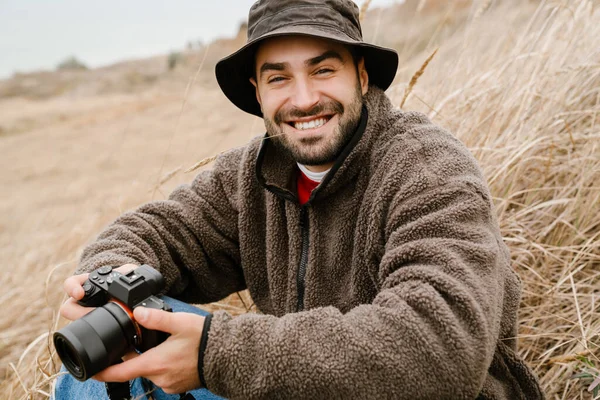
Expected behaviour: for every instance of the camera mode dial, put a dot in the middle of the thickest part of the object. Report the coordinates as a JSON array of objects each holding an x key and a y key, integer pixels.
[{"x": 105, "y": 270}]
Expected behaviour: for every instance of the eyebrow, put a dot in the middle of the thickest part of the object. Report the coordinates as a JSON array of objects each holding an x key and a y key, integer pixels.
[
  {"x": 309, "y": 63},
  {"x": 273, "y": 67},
  {"x": 325, "y": 56}
]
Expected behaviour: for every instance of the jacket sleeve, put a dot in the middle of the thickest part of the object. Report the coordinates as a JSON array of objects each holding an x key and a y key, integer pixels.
[
  {"x": 429, "y": 333},
  {"x": 191, "y": 238}
]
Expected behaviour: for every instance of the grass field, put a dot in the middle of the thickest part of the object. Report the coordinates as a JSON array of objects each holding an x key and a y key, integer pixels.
[{"x": 517, "y": 81}]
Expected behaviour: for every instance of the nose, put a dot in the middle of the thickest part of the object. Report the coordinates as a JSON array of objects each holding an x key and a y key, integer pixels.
[{"x": 304, "y": 97}]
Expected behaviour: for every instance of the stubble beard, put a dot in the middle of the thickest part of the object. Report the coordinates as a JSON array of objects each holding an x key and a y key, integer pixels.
[{"x": 319, "y": 150}]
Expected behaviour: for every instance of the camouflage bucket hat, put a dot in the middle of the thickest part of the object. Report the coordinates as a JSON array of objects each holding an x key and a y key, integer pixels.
[{"x": 336, "y": 20}]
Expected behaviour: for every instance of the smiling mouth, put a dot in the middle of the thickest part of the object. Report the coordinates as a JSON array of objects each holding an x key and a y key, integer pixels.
[{"x": 312, "y": 124}]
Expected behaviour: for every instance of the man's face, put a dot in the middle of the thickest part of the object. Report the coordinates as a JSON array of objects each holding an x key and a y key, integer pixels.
[{"x": 310, "y": 91}]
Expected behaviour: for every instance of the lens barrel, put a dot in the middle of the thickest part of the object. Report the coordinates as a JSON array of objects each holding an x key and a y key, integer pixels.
[{"x": 95, "y": 341}]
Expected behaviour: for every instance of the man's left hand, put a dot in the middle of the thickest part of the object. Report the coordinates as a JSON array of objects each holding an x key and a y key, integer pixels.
[{"x": 173, "y": 364}]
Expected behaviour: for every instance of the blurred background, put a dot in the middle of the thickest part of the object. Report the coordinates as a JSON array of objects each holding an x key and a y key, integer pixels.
[
  {"x": 36, "y": 34},
  {"x": 105, "y": 106}
]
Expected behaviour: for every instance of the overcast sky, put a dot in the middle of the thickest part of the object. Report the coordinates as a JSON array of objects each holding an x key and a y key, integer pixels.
[{"x": 38, "y": 34}]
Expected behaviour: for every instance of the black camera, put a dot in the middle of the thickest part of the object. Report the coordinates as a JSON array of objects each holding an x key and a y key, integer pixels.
[{"x": 100, "y": 338}]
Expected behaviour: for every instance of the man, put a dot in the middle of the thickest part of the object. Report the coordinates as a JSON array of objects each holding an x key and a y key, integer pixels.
[{"x": 366, "y": 236}]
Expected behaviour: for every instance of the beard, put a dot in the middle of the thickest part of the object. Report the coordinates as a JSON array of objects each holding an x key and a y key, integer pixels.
[{"x": 318, "y": 150}]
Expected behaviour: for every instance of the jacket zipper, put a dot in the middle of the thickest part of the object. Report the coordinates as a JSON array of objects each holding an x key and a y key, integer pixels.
[
  {"x": 303, "y": 258},
  {"x": 304, "y": 251}
]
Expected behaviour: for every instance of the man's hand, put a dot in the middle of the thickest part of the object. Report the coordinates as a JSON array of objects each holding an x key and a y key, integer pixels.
[
  {"x": 70, "y": 309},
  {"x": 173, "y": 364}
]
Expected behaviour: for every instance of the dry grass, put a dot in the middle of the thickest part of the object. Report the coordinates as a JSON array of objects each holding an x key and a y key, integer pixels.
[
  {"x": 527, "y": 102},
  {"x": 363, "y": 9},
  {"x": 518, "y": 82},
  {"x": 415, "y": 78}
]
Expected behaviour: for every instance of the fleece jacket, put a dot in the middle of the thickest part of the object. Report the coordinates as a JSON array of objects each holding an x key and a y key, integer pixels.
[{"x": 391, "y": 282}]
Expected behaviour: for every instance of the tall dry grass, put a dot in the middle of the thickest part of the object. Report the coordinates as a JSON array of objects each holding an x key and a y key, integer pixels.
[
  {"x": 519, "y": 83},
  {"x": 524, "y": 95}
]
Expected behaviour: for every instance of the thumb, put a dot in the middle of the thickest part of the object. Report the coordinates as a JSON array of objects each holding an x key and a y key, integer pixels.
[{"x": 158, "y": 320}]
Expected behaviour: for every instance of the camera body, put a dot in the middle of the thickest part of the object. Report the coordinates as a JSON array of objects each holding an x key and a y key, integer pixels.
[
  {"x": 133, "y": 289},
  {"x": 100, "y": 338}
]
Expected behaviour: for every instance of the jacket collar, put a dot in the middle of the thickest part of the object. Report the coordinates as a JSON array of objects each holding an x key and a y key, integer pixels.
[{"x": 276, "y": 170}]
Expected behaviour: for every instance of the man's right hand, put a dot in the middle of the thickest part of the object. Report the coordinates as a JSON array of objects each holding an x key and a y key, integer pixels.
[{"x": 73, "y": 286}]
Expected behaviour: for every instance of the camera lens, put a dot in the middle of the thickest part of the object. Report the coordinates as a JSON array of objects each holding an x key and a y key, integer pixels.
[
  {"x": 69, "y": 356},
  {"x": 95, "y": 341}
]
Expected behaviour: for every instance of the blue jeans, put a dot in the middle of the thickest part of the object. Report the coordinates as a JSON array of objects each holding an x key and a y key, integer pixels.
[{"x": 68, "y": 388}]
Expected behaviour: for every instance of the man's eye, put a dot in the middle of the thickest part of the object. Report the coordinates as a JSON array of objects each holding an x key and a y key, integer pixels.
[
  {"x": 324, "y": 71},
  {"x": 275, "y": 79}
]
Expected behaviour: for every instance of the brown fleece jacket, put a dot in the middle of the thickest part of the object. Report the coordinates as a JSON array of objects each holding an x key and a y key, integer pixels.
[{"x": 391, "y": 282}]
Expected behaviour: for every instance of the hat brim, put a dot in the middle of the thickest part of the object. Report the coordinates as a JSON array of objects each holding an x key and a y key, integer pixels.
[{"x": 234, "y": 71}]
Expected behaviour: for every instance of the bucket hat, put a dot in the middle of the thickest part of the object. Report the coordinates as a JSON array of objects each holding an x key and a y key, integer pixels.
[{"x": 336, "y": 20}]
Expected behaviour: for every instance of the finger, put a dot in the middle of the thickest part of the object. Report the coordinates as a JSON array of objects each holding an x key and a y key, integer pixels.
[
  {"x": 165, "y": 321},
  {"x": 72, "y": 286},
  {"x": 126, "y": 268},
  {"x": 142, "y": 365},
  {"x": 158, "y": 319},
  {"x": 72, "y": 311}
]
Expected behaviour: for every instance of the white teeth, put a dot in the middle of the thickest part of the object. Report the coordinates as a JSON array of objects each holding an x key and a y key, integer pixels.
[{"x": 310, "y": 125}]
